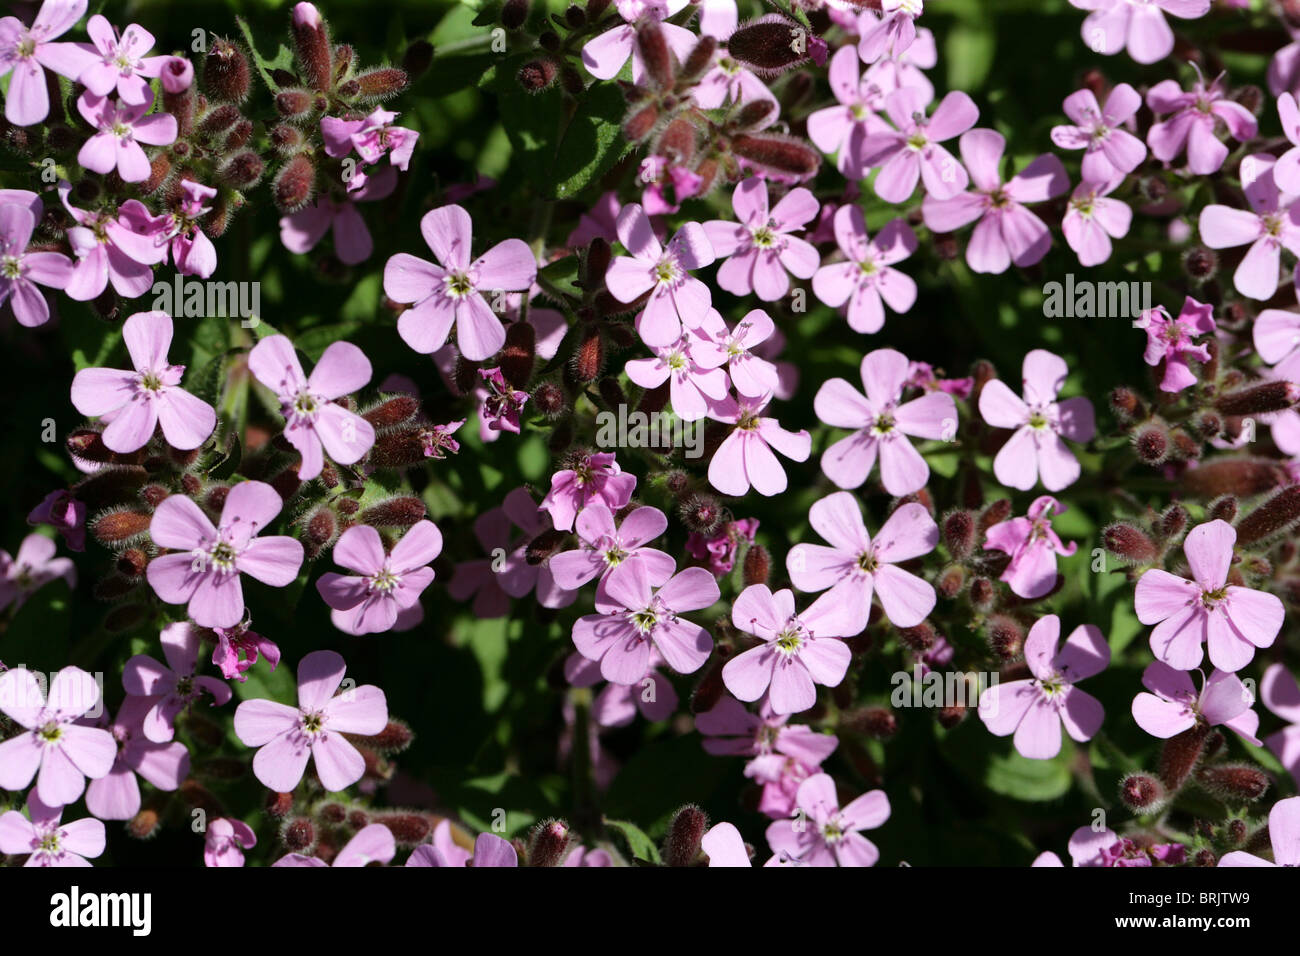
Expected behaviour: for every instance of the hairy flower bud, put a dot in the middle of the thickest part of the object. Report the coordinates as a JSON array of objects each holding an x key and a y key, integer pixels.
[
  {"x": 783, "y": 154},
  {"x": 295, "y": 184},
  {"x": 1180, "y": 754},
  {"x": 296, "y": 105},
  {"x": 878, "y": 723},
  {"x": 701, "y": 513},
  {"x": 120, "y": 526},
  {"x": 278, "y": 805},
  {"x": 959, "y": 533},
  {"x": 286, "y": 139},
  {"x": 311, "y": 43},
  {"x": 381, "y": 83},
  {"x": 1223, "y": 508},
  {"x": 536, "y": 75},
  {"x": 640, "y": 122},
  {"x": 682, "y": 846},
  {"x": 757, "y": 565},
  {"x": 588, "y": 357},
  {"x": 514, "y": 13},
  {"x": 320, "y": 528},
  {"x": 1151, "y": 443},
  {"x": 1142, "y": 793},
  {"x": 242, "y": 171},
  {"x": 548, "y": 842},
  {"x": 951, "y": 580},
  {"x": 655, "y": 55},
  {"x": 549, "y": 399},
  {"x": 393, "y": 411},
  {"x": 699, "y": 60},
  {"x": 1006, "y": 637},
  {"x": 1126, "y": 404},
  {"x": 1243, "y": 477},
  {"x": 393, "y": 739},
  {"x": 225, "y": 72},
  {"x": 1276, "y": 514},
  {"x": 1200, "y": 263},
  {"x": 544, "y": 545},
  {"x": 982, "y": 593},
  {"x": 768, "y": 45},
  {"x": 1259, "y": 399},
  {"x": 1234, "y": 782},
  {"x": 518, "y": 353},
  {"x": 298, "y": 834},
  {"x": 400, "y": 511},
  {"x": 1129, "y": 543}
]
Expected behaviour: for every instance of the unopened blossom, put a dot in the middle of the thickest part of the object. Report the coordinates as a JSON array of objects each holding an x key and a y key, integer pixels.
[
  {"x": 190, "y": 247},
  {"x": 799, "y": 650},
  {"x": 730, "y": 82},
  {"x": 1281, "y": 695},
  {"x": 490, "y": 850},
  {"x": 1007, "y": 232},
  {"x": 652, "y": 695},
  {"x": 119, "y": 64},
  {"x": 65, "y": 514},
  {"x": 225, "y": 841},
  {"x": 826, "y": 834},
  {"x": 605, "y": 55},
  {"x": 1271, "y": 224},
  {"x": 926, "y": 377},
  {"x": 724, "y": 846},
  {"x": 853, "y": 566},
  {"x": 760, "y": 251},
  {"x": 121, "y": 130},
  {"x": 174, "y": 686},
  {"x": 882, "y": 424},
  {"x": 288, "y": 737},
  {"x": 675, "y": 296},
  {"x": 1232, "y": 621},
  {"x": 608, "y": 550},
  {"x": 1169, "y": 340},
  {"x": 1139, "y": 25},
  {"x": 1283, "y": 833},
  {"x": 314, "y": 422},
  {"x": 717, "y": 550},
  {"x": 1173, "y": 705},
  {"x": 116, "y": 795},
  {"x": 47, "y": 840},
  {"x": 867, "y": 279},
  {"x": 1109, "y": 149},
  {"x": 634, "y": 617},
  {"x": 135, "y": 403},
  {"x": 33, "y": 567},
  {"x": 386, "y": 585},
  {"x": 22, "y": 271},
  {"x": 911, "y": 150},
  {"x": 593, "y": 477},
  {"x": 238, "y": 648},
  {"x": 713, "y": 341},
  {"x": 691, "y": 369},
  {"x": 843, "y": 130},
  {"x": 746, "y": 456},
  {"x": 1036, "y": 709},
  {"x": 452, "y": 290},
  {"x": 119, "y": 248},
  {"x": 1191, "y": 120},
  {"x": 51, "y": 745},
  {"x": 1092, "y": 220},
  {"x": 1036, "y": 448},
  {"x": 25, "y": 50},
  {"x": 302, "y": 231},
  {"x": 176, "y": 75},
  {"x": 373, "y": 843},
  {"x": 1032, "y": 546},
  {"x": 205, "y": 567}
]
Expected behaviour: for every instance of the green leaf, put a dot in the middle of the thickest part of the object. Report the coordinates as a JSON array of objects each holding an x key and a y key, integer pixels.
[
  {"x": 1032, "y": 780},
  {"x": 640, "y": 845},
  {"x": 283, "y": 58},
  {"x": 593, "y": 142}
]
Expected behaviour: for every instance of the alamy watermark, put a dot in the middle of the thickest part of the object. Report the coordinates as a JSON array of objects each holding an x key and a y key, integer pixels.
[
  {"x": 200, "y": 299},
  {"x": 638, "y": 429},
  {"x": 1095, "y": 300}
]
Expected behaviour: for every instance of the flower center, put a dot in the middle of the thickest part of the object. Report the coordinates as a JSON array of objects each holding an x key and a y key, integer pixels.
[
  {"x": 789, "y": 640},
  {"x": 867, "y": 562},
  {"x": 313, "y": 723},
  {"x": 10, "y": 267},
  {"x": 49, "y": 843},
  {"x": 222, "y": 556},
  {"x": 645, "y": 620},
  {"x": 764, "y": 237},
  {"x": 1210, "y": 599},
  {"x": 883, "y": 425},
  {"x": 305, "y": 404},
  {"x": 458, "y": 285},
  {"x": 384, "y": 581},
  {"x": 667, "y": 271},
  {"x": 50, "y": 732},
  {"x": 150, "y": 381}
]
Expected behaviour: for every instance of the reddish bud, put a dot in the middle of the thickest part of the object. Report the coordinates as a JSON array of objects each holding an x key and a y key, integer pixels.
[
  {"x": 767, "y": 46},
  {"x": 380, "y": 84},
  {"x": 297, "y": 105},
  {"x": 951, "y": 581},
  {"x": 682, "y": 846},
  {"x": 589, "y": 357},
  {"x": 319, "y": 531},
  {"x": 312, "y": 45},
  {"x": 783, "y": 154},
  {"x": 294, "y": 184},
  {"x": 518, "y": 353},
  {"x": 549, "y": 399},
  {"x": 1276, "y": 514},
  {"x": 544, "y": 545},
  {"x": 1142, "y": 793},
  {"x": 1243, "y": 477},
  {"x": 514, "y": 13},
  {"x": 1180, "y": 754},
  {"x": 640, "y": 122},
  {"x": 1274, "y": 396},
  {"x": 959, "y": 533},
  {"x": 393, "y": 411},
  {"x": 655, "y": 56},
  {"x": 1006, "y": 637},
  {"x": 118, "y": 527},
  {"x": 549, "y": 841},
  {"x": 757, "y": 565},
  {"x": 1129, "y": 543},
  {"x": 400, "y": 511},
  {"x": 1234, "y": 782},
  {"x": 298, "y": 834},
  {"x": 242, "y": 171},
  {"x": 1151, "y": 443},
  {"x": 225, "y": 72},
  {"x": 536, "y": 75},
  {"x": 701, "y": 513},
  {"x": 878, "y": 723},
  {"x": 1126, "y": 404}
]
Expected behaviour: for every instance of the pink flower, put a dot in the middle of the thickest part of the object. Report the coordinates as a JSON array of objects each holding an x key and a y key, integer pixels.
[
  {"x": 633, "y": 618},
  {"x": 191, "y": 249},
  {"x": 1091, "y": 221},
  {"x": 594, "y": 477},
  {"x": 1283, "y": 833},
  {"x": 676, "y": 297},
  {"x": 718, "y": 550},
  {"x": 443, "y": 851},
  {"x": 46, "y": 840},
  {"x": 1271, "y": 223},
  {"x": 895, "y": 32},
  {"x": 759, "y": 245},
  {"x": 116, "y": 795},
  {"x": 137, "y": 402},
  {"x": 617, "y": 705},
  {"x": 1195, "y": 116},
  {"x": 206, "y": 571},
  {"x": 1103, "y": 848},
  {"x": 1033, "y": 547},
  {"x": 1174, "y": 706},
  {"x": 122, "y": 128},
  {"x": 605, "y": 55},
  {"x": 453, "y": 289},
  {"x": 1276, "y": 335},
  {"x": 172, "y": 687},
  {"x": 1287, "y": 171},
  {"x": 51, "y": 740},
  {"x": 723, "y": 845},
  {"x": 373, "y": 843},
  {"x": 65, "y": 514},
  {"x": 372, "y": 138},
  {"x": 692, "y": 371},
  {"x": 853, "y": 566},
  {"x": 386, "y": 587},
  {"x": 301, "y": 231},
  {"x": 1139, "y": 25},
  {"x": 1035, "y": 709},
  {"x": 745, "y": 458},
  {"x": 798, "y": 651},
  {"x": 226, "y": 840},
  {"x": 25, "y": 50},
  {"x": 1036, "y": 448},
  {"x": 118, "y": 249},
  {"x": 1007, "y": 232},
  {"x": 501, "y": 403},
  {"x": 883, "y": 421},
  {"x": 904, "y": 67},
  {"x": 22, "y": 271},
  {"x": 718, "y": 18},
  {"x": 1231, "y": 620},
  {"x": 728, "y": 81},
  {"x": 121, "y": 64},
  {"x": 176, "y": 75},
  {"x": 489, "y": 851},
  {"x": 34, "y": 566},
  {"x": 1170, "y": 341},
  {"x": 823, "y": 834},
  {"x": 598, "y": 222},
  {"x": 1109, "y": 150},
  {"x": 713, "y": 342},
  {"x": 1281, "y": 695},
  {"x": 290, "y": 736},
  {"x": 313, "y": 419},
  {"x": 867, "y": 276},
  {"x": 911, "y": 150},
  {"x": 238, "y": 649},
  {"x": 611, "y": 551},
  {"x": 845, "y": 129}
]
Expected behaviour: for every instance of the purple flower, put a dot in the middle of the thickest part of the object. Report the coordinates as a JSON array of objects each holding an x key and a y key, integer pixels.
[
  {"x": 605, "y": 55},
  {"x": 1174, "y": 706},
  {"x": 633, "y": 618},
  {"x": 1170, "y": 341},
  {"x": 759, "y": 245},
  {"x": 373, "y": 843},
  {"x": 823, "y": 833},
  {"x": 206, "y": 572},
  {"x": 904, "y": 67},
  {"x": 238, "y": 649},
  {"x": 1033, "y": 547},
  {"x": 25, "y": 50},
  {"x": 301, "y": 231},
  {"x": 867, "y": 276},
  {"x": 845, "y": 129},
  {"x": 745, "y": 458},
  {"x": 314, "y": 421},
  {"x": 1271, "y": 223},
  {"x": 47, "y": 840},
  {"x": 121, "y": 64},
  {"x": 172, "y": 687},
  {"x": 135, "y": 403},
  {"x": 1281, "y": 695},
  {"x": 854, "y": 566},
  {"x": 611, "y": 551},
  {"x": 718, "y": 550},
  {"x": 22, "y": 271},
  {"x": 1231, "y": 620},
  {"x": 1007, "y": 232},
  {"x": 1109, "y": 150},
  {"x": 116, "y": 795},
  {"x": 713, "y": 342},
  {"x": 723, "y": 845},
  {"x": 387, "y": 586},
  {"x": 1141, "y": 26},
  {"x": 1195, "y": 116},
  {"x": 191, "y": 249},
  {"x": 1283, "y": 833},
  {"x": 372, "y": 138},
  {"x": 1035, "y": 448},
  {"x": 1035, "y": 709},
  {"x": 502, "y": 403},
  {"x": 226, "y": 840},
  {"x": 51, "y": 740},
  {"x": 122, "y": 128},
  {"x": 1091, "y": 221},
  {"x": 489, "y": 851},
  {"x": 595, "y": 477},
  {"x": 882, "y": 423},
  {"x": 119, "y": 248},
  {"x": 894, "y": 33},
  {"x": 691, "y": 368},
  {"x": 452, "y": 290},
  {"x": 911, "y": 150},
  {"x": 290, "y": 736},
  {"x": 1287, "y": 171},
  {"x": 65, "y": 514},
  {"x": 34, "y": 566}
]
